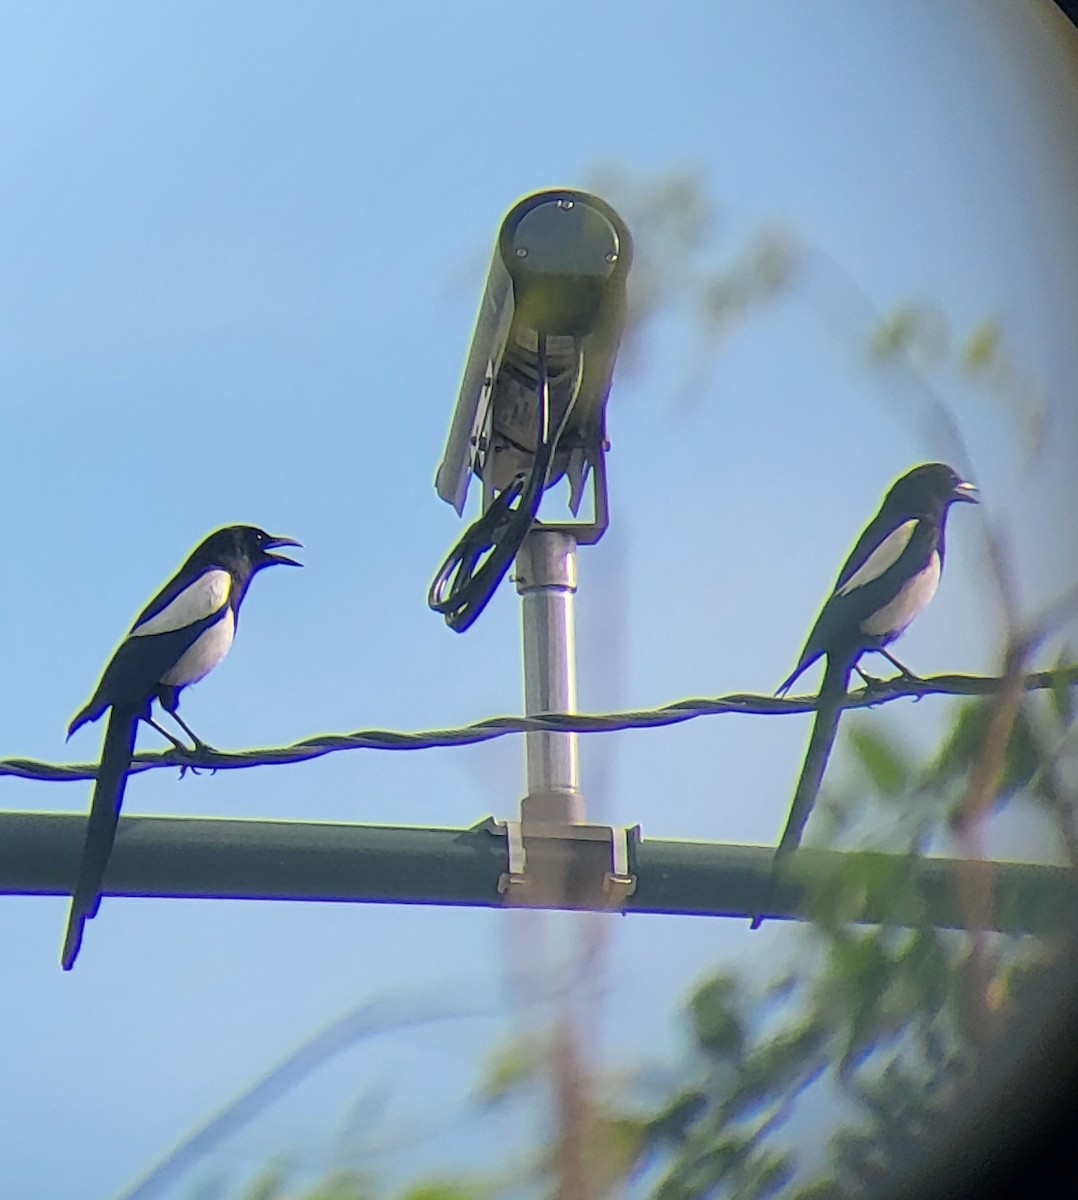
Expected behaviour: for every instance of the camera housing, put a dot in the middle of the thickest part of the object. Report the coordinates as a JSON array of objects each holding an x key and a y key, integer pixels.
[
  {"x": 532, "y": 403},
  {"x": 559, "y": 269}
]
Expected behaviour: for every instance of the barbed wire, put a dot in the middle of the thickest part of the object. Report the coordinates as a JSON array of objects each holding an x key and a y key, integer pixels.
[{"x": 875, "y": 693}]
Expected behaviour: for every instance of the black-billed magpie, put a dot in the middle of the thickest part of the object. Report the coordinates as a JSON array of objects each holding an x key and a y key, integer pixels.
[
  {"x": 177, "y": 639},
  {"x": 890, "y": 576}
]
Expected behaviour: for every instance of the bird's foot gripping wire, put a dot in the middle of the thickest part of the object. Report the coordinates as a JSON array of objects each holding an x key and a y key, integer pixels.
[
  {"x": 201, "y": 748},
  {"x": 904, "y": 673},
  {"x": 195, "y": 769},
  {"x": 184, "y": 751},
  {"x": 870, "y": 681},
  {"x": 877, "y": 689}
]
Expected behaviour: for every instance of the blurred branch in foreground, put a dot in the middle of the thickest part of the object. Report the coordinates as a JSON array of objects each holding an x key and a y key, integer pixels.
[{"x": 378, "y": 1017}]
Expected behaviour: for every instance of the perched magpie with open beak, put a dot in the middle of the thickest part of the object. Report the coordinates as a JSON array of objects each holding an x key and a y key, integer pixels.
[
  {"x": 177, "y": 639},
  {"x": 890, "y": 576}
]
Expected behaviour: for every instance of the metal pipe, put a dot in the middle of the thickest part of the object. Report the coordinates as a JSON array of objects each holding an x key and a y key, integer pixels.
[
  {"x": 546, "y": 583},
  {"x": 300, "y": 860}
]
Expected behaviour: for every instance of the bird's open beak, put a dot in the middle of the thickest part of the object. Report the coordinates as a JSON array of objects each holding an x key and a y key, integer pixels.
[
  {"x": 966, "y": 491},
  {"x": 281, "y": 558}
]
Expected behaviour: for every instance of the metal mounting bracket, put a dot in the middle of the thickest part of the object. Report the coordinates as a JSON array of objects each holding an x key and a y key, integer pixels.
[{"x": 566, "y": 866}]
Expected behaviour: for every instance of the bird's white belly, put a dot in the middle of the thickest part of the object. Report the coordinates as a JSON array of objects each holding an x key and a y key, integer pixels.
[
  {"x": 204, "y": 653},
  {"x": 912, "y": 599}
]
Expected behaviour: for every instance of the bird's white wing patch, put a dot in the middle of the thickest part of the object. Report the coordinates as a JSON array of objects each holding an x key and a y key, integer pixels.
[
  {"x": 200, "y": 599},
  {"x": 912, "y": 599},
  {"x": 204, "y": 653},
  {"x": 886, "y": 554}
]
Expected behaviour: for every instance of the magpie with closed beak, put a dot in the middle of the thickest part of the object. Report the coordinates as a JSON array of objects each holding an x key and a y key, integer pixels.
[
  {"x": 177, "y": 639},
  {"x": 888, "y": 579}
]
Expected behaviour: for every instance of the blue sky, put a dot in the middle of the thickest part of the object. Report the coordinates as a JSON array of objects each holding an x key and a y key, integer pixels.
[{"x": 239, "y": 265}]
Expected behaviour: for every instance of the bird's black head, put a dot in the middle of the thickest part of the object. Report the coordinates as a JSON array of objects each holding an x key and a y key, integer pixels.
[
  {"x": 928, "y": 490},
  {"x": 244, "y": 549}
]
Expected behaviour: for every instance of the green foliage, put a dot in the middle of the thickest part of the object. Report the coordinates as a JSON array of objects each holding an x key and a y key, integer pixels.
[
  {"x": 983, "y": 350},
  {"x": 880, "y": 1023},
  {"x": 514, "y": 1065},
  {"x": 917, "y": 330},
  {"x": 277, "y": 1182},
  {"x": 717, "y": 1024},
  {"x": 881, "y": 757},
  {"x": 1063, "y": 694},
  {"x": 885, "y": 1020},
  {"x": 341, "y": 1185},
  {"x": 919, "y": 334},
  {"x": 269, "y": 1184},
  {"x": 447, "y": 1189},
  {"x": 766, "y": 268},
  {"x": 877, "y": 1022},
  {"x": 965, "y": 744},
  {"x": 681, "y": 269},
  {"x": 730, "y": 1160},
  {"x": 839, "y": 897}
]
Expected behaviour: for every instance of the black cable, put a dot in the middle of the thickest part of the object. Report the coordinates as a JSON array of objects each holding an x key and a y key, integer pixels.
[
  {"x": 879, "y": 693},
  {"x": 462, "y": 588}
]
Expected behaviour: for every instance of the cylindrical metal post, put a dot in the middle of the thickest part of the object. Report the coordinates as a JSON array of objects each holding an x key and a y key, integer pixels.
[
  {"x": 546, "y": 582},
  {"x": 213, "y": 858}
]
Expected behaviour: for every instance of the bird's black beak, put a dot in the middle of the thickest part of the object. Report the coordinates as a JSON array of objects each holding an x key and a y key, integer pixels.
[
  {"x": 966, "y": 492},
  {"x": 272, "y": 543}
]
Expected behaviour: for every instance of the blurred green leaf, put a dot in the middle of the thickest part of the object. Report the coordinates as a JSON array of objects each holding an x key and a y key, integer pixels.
[
  {"x": 776, "y": 1064},
  {"x": 882, "y": 758},
  {"x": 717, "y": 1025},
  {"x": 784, "y": 985},
  {"x": 918, "y": 330},
  {"x": 966, "y": 743},
  {"x": 269, "y": 1184},
  {"x": 765, "y": 269},
  {"x": 821, "y": 1189},
  {"x": 856, "y": 958},
  {"x": 862, "y": 971},
  {"x": 617, "y": 1146},
  {"x": 671, "y": 1122},
  {"x": 1021, "y": 982},
  {"x": 772, "y": 1174},
  {"x": 443, "y": 1189},
  {"x": 511, "y": 1068},
  {"x": 341, "y": 1185},
  {"x": 982, "y": 349},
  {"x": 926, "y": 960},
  {"x": 1062, "y": 693},
  {"x": 839, "y": 897},
  {"x": 701, "y": 1175}
]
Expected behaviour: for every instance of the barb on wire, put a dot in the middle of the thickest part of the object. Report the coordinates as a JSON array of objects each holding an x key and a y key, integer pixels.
[{"x": 881, "y": 691}]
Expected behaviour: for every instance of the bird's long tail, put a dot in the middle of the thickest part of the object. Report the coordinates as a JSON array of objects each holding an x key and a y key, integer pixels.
[
  {"x": 828, "y": 711},
  {"x": 116, "y": 752}
]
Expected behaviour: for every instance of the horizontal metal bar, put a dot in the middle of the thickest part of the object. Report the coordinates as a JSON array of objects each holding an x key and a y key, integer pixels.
[{"x": 299, "y": 860}]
